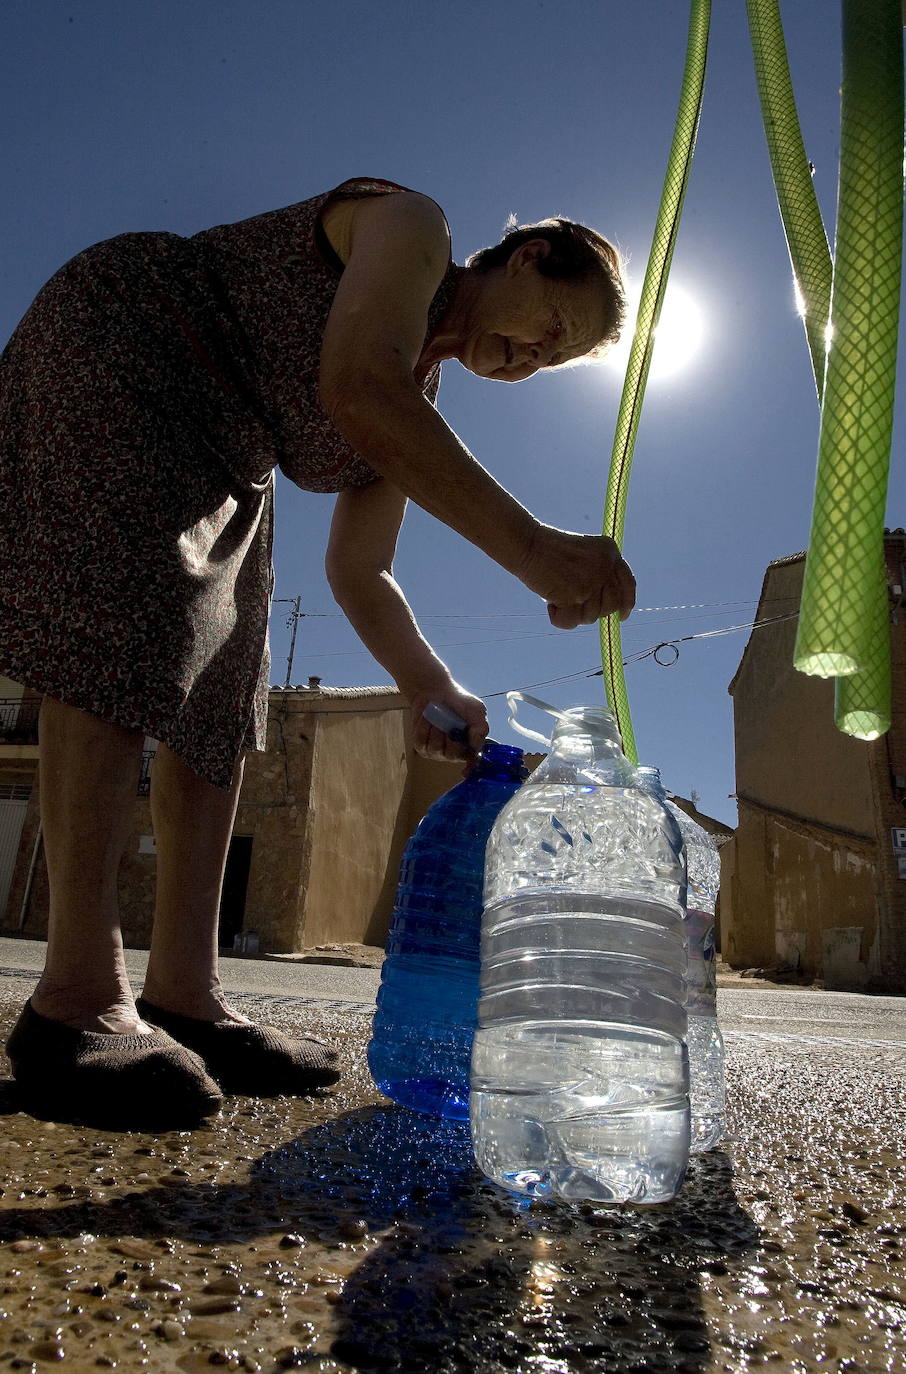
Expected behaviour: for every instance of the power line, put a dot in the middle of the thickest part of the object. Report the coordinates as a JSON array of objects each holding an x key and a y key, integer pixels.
[
  {"x": 705, "y": 634},
  {"x": 532, "y": 615},
  {"x": 650, "y": 652},
  {"x": 539, "y": 634}
]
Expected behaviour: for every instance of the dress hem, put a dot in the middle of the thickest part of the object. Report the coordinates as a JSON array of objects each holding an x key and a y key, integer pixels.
[{"x": 129, "y": 715}]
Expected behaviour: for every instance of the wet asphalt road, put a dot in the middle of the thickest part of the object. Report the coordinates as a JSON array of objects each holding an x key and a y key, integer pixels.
[{"x": 341, "y": 1233}]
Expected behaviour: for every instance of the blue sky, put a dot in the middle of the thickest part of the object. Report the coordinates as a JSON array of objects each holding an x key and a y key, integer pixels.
[{"x": 119, "y": 115}]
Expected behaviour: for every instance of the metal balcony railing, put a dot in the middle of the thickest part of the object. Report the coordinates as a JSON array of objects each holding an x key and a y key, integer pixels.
[
  {"x": 19, "y": 725},
  {"x": 18, "y": 721}
]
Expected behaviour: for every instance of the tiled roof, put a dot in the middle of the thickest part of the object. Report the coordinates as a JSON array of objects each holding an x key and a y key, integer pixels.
[
  {"x": 790, "y": 558},
  {"x": 339, "y": 693}
]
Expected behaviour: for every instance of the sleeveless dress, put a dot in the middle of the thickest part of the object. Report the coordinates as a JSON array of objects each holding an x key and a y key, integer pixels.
[{"x": 146, "y": 398}]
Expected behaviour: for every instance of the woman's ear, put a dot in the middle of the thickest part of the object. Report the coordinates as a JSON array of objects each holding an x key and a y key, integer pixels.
[{"x": 528, "y": 254}]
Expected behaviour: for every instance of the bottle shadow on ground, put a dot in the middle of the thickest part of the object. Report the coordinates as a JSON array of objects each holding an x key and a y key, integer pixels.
[
  {"x": 470, "y": 1278},
  {"x": 464, "y": 1276}
]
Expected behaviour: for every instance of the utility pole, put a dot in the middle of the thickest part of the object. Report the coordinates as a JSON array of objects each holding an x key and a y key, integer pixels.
[{"x": 292, "y": 622}]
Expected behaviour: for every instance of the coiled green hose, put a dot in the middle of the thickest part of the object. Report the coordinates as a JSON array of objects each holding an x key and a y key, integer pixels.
[
  {"x": 654, "y": 286},
  {"x": 844, "y": 620}
]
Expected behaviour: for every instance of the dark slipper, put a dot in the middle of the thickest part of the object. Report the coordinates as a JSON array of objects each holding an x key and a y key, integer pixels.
[
  {"x": 256, "y": 1061},
  {"x": 117, "y": 1082}
]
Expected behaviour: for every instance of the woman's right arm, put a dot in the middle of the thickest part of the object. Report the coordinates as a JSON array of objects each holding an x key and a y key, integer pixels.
[
  {"x": 359, "y": 566},
  {"x": 370, "y": 351}
]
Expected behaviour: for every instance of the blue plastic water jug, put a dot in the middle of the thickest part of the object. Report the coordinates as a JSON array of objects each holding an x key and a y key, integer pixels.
[{"x": 421, "y": 1045}]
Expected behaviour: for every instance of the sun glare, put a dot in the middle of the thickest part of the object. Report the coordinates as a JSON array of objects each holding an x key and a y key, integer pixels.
[
  {"x": 677, "y": 339},
  {"x": 799, "y": 300}
]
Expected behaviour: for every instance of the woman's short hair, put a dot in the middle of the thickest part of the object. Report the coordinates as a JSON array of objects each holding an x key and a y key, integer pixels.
[{"x": 577, "y": 254}]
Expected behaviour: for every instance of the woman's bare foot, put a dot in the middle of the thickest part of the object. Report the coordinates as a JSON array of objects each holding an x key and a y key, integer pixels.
[
  {"x": 201, "y": 1003},
  {"x": 105, "y": 1006}
]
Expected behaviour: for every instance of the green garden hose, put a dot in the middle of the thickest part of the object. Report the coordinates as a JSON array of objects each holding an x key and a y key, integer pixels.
[
  {"x": 655, "y": 284},
  {"x": 805, "y": 236},
  {"x": 857, "y": 417},
  {"x": 862, "y": 702},
  {"x": 844, "y": 621}
]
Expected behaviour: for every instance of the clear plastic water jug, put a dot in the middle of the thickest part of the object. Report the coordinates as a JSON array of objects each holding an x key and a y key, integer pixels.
[
  {"x": 579, "y": 1067},
  {"x": 422, "y": 1031},
  {"x": 707, "y": 1071}
]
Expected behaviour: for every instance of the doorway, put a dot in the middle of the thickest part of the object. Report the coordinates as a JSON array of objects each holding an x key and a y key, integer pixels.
[
  {"x": 13, "y": 806},
  {"x": 235, "y": 886}
]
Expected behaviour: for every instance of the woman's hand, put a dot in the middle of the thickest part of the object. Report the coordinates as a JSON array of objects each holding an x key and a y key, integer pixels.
[
  {"x": 582, "y": 577},
  {"x": 436, "y": 744}
]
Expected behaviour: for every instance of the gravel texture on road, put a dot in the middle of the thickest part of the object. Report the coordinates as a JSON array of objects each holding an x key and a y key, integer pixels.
[{"x": 341, "y": 1233}]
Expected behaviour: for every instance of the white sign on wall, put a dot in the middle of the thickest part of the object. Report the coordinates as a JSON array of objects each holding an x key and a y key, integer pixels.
[{"x": 898, "y": 836}]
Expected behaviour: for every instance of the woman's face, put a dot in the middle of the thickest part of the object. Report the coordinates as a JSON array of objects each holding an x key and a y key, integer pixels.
[{"x": 521, "y": 321}]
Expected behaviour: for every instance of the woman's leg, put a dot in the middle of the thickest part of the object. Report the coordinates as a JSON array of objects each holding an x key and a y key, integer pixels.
[
  {"x": 193, "y": 822},
  {"x": 88, "y": 777},
  {"x": 80, "y": 1050}
]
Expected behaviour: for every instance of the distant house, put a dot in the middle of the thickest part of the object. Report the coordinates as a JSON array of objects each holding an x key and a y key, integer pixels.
[{"x": 815, "y": 876}]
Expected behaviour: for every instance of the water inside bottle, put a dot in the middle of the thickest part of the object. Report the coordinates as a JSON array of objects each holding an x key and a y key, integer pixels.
[
  {"x": 425, "y": 1016},
  {"x": 585, "y": 1110},
  {"x": 420, "y": 1049},
  {"x": 707, "y": 1090},
  {"x": 579, "y": 1070}
]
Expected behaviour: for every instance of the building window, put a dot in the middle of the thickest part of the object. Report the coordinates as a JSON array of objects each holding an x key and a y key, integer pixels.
[{"x": 144, "y": 777}]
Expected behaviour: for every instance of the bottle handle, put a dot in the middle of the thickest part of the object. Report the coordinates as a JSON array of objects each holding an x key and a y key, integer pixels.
[
  {"x": 447, "y": 720},
  {"x": 512, "y": 701}
]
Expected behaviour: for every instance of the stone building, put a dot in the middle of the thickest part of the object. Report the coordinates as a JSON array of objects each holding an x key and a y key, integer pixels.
[
  {"x": 18, "y": 764},
  {"x": 813, "y": 878},
  {"x": 323, "y": 818}
]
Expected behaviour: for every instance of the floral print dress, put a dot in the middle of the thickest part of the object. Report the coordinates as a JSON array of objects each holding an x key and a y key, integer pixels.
[{"x": 146, "y": 398}]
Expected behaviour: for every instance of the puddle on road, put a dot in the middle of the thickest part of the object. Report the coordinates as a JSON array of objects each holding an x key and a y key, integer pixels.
[{"x": 343, "y": 1233}]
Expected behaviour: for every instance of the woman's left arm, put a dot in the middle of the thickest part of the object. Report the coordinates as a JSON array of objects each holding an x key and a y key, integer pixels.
[{"x": 359, "y": 566}]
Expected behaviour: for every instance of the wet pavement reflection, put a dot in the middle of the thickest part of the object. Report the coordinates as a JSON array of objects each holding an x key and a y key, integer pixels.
[{"x": 343, "y": 1233}]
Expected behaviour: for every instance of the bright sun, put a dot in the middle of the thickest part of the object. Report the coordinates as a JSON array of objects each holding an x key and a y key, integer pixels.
[{"x": 677, "y": 339}]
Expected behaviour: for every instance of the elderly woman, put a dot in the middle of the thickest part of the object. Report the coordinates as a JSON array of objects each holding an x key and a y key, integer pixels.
[{"x": 147, "y": 396}]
